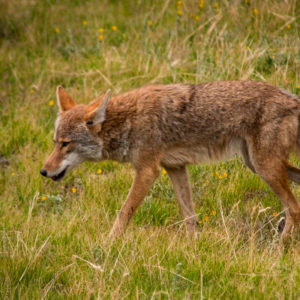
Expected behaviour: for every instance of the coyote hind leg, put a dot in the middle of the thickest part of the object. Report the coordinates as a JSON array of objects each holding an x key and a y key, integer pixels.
[
  {"x": 293, "y": 173},
  {"x": 181, "y": 185},
  {"x": 274, "y": 172}
]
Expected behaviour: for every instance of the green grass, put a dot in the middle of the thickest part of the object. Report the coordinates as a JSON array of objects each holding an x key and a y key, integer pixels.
[{"x": 53, "y": 242}]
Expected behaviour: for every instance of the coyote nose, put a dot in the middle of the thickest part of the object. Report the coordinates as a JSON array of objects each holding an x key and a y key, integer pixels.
[{"x": 43, "y": 172}]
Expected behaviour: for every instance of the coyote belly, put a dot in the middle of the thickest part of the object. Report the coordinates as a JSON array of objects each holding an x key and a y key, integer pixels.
[{"x": 179, "y": 124}]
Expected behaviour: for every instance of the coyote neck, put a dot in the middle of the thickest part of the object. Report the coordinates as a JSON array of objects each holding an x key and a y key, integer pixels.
[{"x": 116, "y": 130}]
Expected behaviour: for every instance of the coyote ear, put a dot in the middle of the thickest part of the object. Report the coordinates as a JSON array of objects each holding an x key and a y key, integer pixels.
[
  {"x": 97, "y": 110},
  {"x": 65, "y": 102}
]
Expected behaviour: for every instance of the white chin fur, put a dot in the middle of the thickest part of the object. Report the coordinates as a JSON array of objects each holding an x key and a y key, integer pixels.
[{"x": 70, "y": 162}]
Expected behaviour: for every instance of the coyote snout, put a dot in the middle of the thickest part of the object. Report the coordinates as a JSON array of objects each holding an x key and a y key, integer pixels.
[{"x": 175, "y": 125}]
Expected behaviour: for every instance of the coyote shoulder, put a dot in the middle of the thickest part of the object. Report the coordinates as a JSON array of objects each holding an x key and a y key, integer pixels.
[{"x": 179, "y": 124}]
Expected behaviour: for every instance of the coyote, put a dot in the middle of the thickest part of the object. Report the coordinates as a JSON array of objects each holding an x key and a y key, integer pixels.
[{"x": 179, "y": 124}]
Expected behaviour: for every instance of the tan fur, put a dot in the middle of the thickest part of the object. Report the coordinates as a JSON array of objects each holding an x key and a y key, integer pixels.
[{"x": 179, "y": 124}]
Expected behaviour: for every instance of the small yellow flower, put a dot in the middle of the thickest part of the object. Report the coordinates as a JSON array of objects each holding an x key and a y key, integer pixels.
[
  {"x": 206, "y": 218},
  {"x": 191, "y": 15},
  {"x": 74, "y": 190},
  {"x": 51, "y": 102},
  {"x": 100, "y": 37},
  {"x": 13, "y": 174},
  {"x": 201, "y": 3},
  {"x": 274, "y": 214},
  {"x": 288, "y": 26},
  {"x": 114, "y": 28},
  {"x": 99, "y": 171},
  {"x": 164, "y": 172},
  {"x": 213, "y": 212},
  {"x": 255, "y": 11},
  {"x": 246, "y": 1},
  {"x": 84, "y": 23},
  {"x": 149, "y": 23},
  {"x": 225, "y": 174},
  {"x": 123, "y": 35},
  {"x": 212, "y": 174},
  {"x": 220, "y": 177},
  {"x": 217, "y": 173},
  {"x": 298, "y": 86},
  {"x": 44, "y": 198},
  {"x": 197, "y": 18},
  {"x": 179, "y": 2},
  {"x": 31, "y": 91},
  {"x": 179, "y": 12},
  {"x": 247, "y": 47},
  {"x": 56, "y": 29},
  {"x": 101, "y": 30},
  {"x": 216, "y": 5}
]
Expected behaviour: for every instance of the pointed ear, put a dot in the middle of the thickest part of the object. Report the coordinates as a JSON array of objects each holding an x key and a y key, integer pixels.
[
  {"x": 64, "y": 101},
  {"x": 97, "y": 110}
]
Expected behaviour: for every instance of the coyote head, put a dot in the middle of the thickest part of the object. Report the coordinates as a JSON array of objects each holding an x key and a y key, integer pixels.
[{"x": 75, "y": 135}]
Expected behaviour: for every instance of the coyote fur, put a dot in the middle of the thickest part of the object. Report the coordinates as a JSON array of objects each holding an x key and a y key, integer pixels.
[{"x": 179, "y": 124}]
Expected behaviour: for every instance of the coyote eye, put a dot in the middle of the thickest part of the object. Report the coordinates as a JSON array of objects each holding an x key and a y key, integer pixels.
[
  {"x": 65, "y": 144},
  {"x": 90, "y": 122}
]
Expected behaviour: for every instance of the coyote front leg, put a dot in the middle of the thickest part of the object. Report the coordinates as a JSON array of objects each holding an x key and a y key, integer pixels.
[
  {"x": 143, "y": 181},
  {"x": 181, "y": 185}
]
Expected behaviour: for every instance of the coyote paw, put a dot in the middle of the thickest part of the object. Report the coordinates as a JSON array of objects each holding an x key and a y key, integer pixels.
[{"x": 281, "y": 225}]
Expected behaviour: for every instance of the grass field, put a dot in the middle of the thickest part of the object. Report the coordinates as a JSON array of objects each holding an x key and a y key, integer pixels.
[{"x": 53, "y": 236}]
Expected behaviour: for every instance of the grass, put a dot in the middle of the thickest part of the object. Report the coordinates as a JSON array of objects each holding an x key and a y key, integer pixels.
[{"x": 53, "y": 238}]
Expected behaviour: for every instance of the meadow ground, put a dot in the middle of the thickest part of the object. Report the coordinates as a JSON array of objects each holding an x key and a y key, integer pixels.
[{"x": 53, "y": 236}]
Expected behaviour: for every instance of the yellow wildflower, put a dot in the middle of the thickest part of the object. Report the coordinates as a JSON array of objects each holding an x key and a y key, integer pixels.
[
  {"x": 99, "y": 171},
  {"x": 74, "y": 190},
  {"x": 51, "y": 102},
  {"x": 220, "y": 177},
  {"x": 255, "y": 11},
  {"x": 13, "y": 174},
  {"x": 44, "y": 198},
  {"x": 217, "y": 173},
  {"x": 191, "y": 15},
  {"x": 212, "y": 174},
  {"x": 288, "y": 26},
  {"x": 246, "y": 1},
  {"x": 56, "y": 30},
  {"x": 179, "y": 3},
  {"x": 31, "y": 91},
  {"x": 201, "y": 3},
  {"x": 206, "y": 218},
  {"x": 164, "y": 172},
  {"x": 225, "y": 174},
  {"x": 213, "y": 212},
  {"x": 179, "y": 12},
  {"x": 216, "y": 5},
  {"x": 84, "y": 23},
  {"x": 274, "y": 214},
  {"x": 149, "y": 23},
  {"x": 197, "y": 18},
  {"x": 114, "y": 28},
  {"x": 101, "y": 30},
  {"x": 298, "y": 86},
  {"x": 100, "y": 37}
]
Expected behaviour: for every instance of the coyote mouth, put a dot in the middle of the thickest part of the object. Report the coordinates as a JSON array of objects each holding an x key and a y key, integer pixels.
[{"x": 60, "y": 175}]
